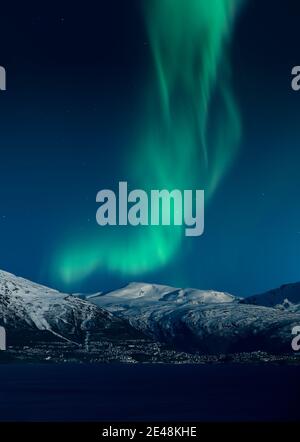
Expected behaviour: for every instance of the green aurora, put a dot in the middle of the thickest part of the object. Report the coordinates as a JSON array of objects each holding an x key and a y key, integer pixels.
[{"x": 187, "y": 136}]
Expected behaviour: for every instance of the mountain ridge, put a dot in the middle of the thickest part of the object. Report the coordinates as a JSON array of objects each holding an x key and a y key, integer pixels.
[
  {"x": 200, "y": 320},
  {"x": 193, "y": 320},
  {"x": 37, "y": 309},
  {"x": 284, "y": 296}
]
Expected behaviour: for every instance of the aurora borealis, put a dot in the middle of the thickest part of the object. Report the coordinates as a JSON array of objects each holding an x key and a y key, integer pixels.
[
  {"x": 175, "y": 149},
  {"x": 197, "y": 98}
]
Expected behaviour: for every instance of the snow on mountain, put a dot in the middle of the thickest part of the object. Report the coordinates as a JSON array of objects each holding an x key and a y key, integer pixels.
[
  {"x": 29, "y": 307},
  {"x": 287, "y": 296},
  {"x": 139, "y": 293},
  {"x": 207, "y": 321},
  {"x": 198, "y": 320}
]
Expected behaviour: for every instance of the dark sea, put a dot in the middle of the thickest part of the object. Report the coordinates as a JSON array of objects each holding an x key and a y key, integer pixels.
[{"x": 75, "y": 392}]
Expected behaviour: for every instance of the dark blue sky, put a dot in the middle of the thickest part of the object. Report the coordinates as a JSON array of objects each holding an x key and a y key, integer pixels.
[{"x": 74, "y": 75}]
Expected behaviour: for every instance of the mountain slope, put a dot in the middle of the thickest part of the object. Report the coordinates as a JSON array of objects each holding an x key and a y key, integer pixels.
[
  {"x": 206, "y": 321},
  {"x": 26, "y": 307},
  {"x": 142, "y": 294},
  {"x": 285, "y": 296}
]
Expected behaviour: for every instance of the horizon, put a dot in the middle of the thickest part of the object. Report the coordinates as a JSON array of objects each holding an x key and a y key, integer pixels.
[{"x": 112, "y": 289}]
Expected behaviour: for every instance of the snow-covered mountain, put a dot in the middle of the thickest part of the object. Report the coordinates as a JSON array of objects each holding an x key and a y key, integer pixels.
[
  {"x": 285, "y": 297},
  {"x": 139, "y": 293},
  {"x": 26, "y": 307},
  {"x": 196, "y": 320},
  {"x": 207, "y": 321}
]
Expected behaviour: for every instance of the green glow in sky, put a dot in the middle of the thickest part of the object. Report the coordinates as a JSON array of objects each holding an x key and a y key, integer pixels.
[{"x": 186, "y": 138}]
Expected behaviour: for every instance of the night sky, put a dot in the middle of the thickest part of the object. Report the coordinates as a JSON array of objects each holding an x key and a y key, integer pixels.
[{"x": 69, "y": 125}]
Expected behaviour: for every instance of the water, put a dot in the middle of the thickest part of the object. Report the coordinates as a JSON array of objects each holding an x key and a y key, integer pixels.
[{"x": 72, "y": 392}]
